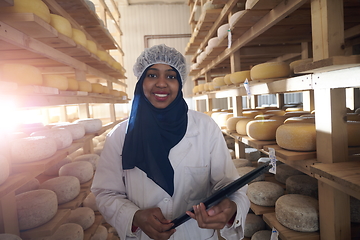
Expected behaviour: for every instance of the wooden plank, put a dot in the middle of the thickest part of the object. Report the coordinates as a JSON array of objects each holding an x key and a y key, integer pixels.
[
  {"x": 38, "y": 90},
  {"x": 260, "y": 210},
  {"x": 75, "y": 203},
  {"x": 6, "y": 3},
  {"x": 256, "y": 143},
  {"x": 88, "y": 233},
  {"x": 8, "y": 214},
  {"x": 58, "y": 42},
  {"x": 290, "y": 155},
  {"x": 261, "y": 4}
]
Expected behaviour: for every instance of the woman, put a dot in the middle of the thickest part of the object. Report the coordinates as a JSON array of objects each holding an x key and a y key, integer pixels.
[{"x": 164, "y": 160}]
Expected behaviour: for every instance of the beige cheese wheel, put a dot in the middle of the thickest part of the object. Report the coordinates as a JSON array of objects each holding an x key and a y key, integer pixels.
[
  {"x": 222, "y": 119},
  {"x": 241, "y": 162},
  {"x": 61, "y": 24},
  {"x": 297, "y": 136},
  {"x": 284, "y": 171},
  {"x": 270, "y": 70},
  {"x": 91, "y": 125},
  {"x": 279, "y": 118},
  {"x": 299, "y": 120},
  {"x": 4, "y": 169},
  {"x": 91, "y": 46},
  {"x": 240, "y": 77},
  {"x": 297, "y": 63},
  {"x": 263, "y": 116},
  {"x": 298, "y": 212},
  {"x": 84, "y": 86},
  {"x": 90, "y": 202},
  {"x": 262, "y": 235},
  {"x": 68, "y": 231},
  {"x": 97, "y": 88},
  {"x": 103, "y": 55},
  {"x": 37, "y": 7},
  {"x": 32, "y": 149},
  {"x": 252, "y": 154},
  {"x": 231, "y": 122},
  {"x": 77, "y": 130},
  {"x": 66, "y": 187},
  {"x": 32, "y": 184},
  {"x": 56, "y": 81},
  {"x": 241, "y": 125},
  {"x": 218, "y": 82},
  {"x": 90, "y": 157},
  {"x": 244, "y": 170},
  {"x": 302, "y": 184},
  {"x": 262, "y": 129},
  {"x": 227, "y": 79},
  {"x": 253, "y": 224},
  {"x": 62, "y": 136},
  {"x": 73, "y": 84},
  {"x": 296, "y": 113},
  {"x": 9, "y": 236},
  {"x": 264, "y": 193},
  {"x": 201, "y": 87},
  {"x": 54, "y": 169},
  {"x": 101, "y": 233},
  {"x": 251, "y": 113},
  {"x": 195, "y": 89},
  {"x": 21, "y": 74},
  {"x": 353, "y": 131},
  {"x": 277, "y": 112},
  {"x": 83, "y": 170},
  {"x": 83, "y": 216},
  {"x": 98, "y": 150},
  {"x": 35, "y": 208},
  {"x": 79, "y": 37}
]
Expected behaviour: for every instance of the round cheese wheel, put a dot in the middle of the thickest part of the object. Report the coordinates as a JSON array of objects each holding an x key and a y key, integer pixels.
[
  {"x": 101, "y": 233},
  {"x": 277, "y": 112},
  {"x": 32, "y": 184},
  {"x": 77, "y": 130},
  {"x": 90, "y": 157},
  {"x": 90, "y": 202},
  {"x": 98, "y": 150},
  {"x": 270, "y": 70},
  {"x": 353, "y": 131},
  {"x": 295, "y": 113},
  {"x": 284, "y": 171},
  {"x": 297, "y": 136},
  {"x": 251, "y": 113},
  {"x": 211, "y": 86},
  {"x": 66, "y": 187},
  {"x": 241, "y": 125},
  {"x": 83, "y": 216},
  {"x": 4, "y": 169},
  {"x": 240, "y": 77},
  {"x": 253, "y": 224},
  {"x": 69, "y": 231},
  {"x": 32, "y": 149},
  {"x": 9, "y": 236},
  {"x": 264, "y": 193},
  {"x": 300, "y": 120},
  {"x": 21, "y": 74},
  {"x": 56, "y": 81},
  {"x": 298, "y": 212},
  {"x": 91, "y": 46},
  {"x": 62, "y": 136},
  {"x": 61, "y": 24},
  {"x": 218, "y": 82},
  {"x": 223, "y": 30},
  {"x": 227, "y": 79},
  {"x": 91, "y": 125},
  {"x": 302, "y": 184},
  {"x": 244, "y": 170},
  {"x": 35, "y": 208},
  {"x": 54, "y": 169},
  {"x": 213, "y": 42},
  {"x": 97, "y": 88},
  {"x": 252, "y": 154},
  {"x": 79, "y": 37},
  {"x": 263, "y": 116},
  {"x": 37, "y": 7},
  {"x": 195, "y": 89},
  {"x": 262, "y": 129},
  {"x": 231, "y": 123},
  {"x": 84, "y": 86},
  {"x": 261, "y": 235},
  {"x": 201, "y": 87},
  {"x": 103, "y": 55},
  {"x": 83, "y": 170},
  {"x": 242, "y": 162},
  {"x": 297, "y": 63},
  {"x": 73, "y": 84},
  {"x": 222, "y": 119}
]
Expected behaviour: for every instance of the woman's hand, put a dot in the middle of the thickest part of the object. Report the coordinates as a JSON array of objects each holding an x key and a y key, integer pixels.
[
  {"x": 153, "y": 223},
  {"x": 216, "y": 217}
]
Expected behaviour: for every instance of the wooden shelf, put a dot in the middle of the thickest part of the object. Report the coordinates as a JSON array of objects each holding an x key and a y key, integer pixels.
[
  {"x": 6, "y": 3},
  {"x": 91, "y": 231}
]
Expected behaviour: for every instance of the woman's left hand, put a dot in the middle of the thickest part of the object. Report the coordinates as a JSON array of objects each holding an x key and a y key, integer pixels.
[{"x": 216, "y": 217}]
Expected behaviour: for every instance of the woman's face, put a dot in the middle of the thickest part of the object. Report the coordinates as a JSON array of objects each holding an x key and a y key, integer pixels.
[{"x": 160, "y": 85}]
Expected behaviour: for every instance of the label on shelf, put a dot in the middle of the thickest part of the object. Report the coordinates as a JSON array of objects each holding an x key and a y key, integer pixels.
[
  {"x": 274, "y": 234},
  {"x": 272, "y": 160},
  {"x": 247, "y": 88}
]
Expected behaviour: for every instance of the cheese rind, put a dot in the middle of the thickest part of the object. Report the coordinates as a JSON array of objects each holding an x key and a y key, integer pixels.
[
  {"x": 264, "y": 193},
  {"x": 240, "y": 77},
  {"x": 73, "y": 84},
  {"x": 262, "y": 129},
  {"x": 38, "y": 7},
  {"x": 270, "y": 70},
  {"x": 66, "y": 187},
  {"x": 61, "y": 24},
  {"x": 69, "y": 231},
  {"x": 297, "y": 136},
  {"x": 83, "y": 216},
  {"x": 91, "y": 46},
  {"x": 253, "y": 224},
  {"x": 83, "y": 170},
  {"x": 77, "y": 130},
  {"x": 79, "y": 37},
  {"x": 21, "y": 74},
  {"x": 85, "y": 86},
  {"x": 90, "y": 157},
  {"x": 97, "y": 88},
  {"x": 91, "y": 125},
  {"x": 62, "y": 136},
  {"x": 56, "y": 81}
]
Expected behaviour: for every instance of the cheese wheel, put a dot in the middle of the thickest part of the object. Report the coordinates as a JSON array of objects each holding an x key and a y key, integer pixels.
[
  {"x": 279, "y": 118},
  {"x": 91, "y": 46},
  {"x": 84, "y": 86},
  {"x": 79, "y": 37},
  {"x": 4, "y": 169},
  {"x": 227, "y": 79},
  {"x": 298, "y": 212},
  {"x": 106, "y": 90},
  {"x": 66, "y": 187},
  {"x": 54, "y": 169},
  {"x": 56, "y": 81},
  {"x": 103, "y": 55},
  {"x": 241, "y": 125},
  {"x": 97, "y": 88},
  {"x": 91, "y": 125},
  {"x": 195, "y": 89},
  {"x": 242, "y": 162},
  {"x": 90, "y": 157},
  {"x": 253, "y": 224},
  {"x": 240, "y": 77},
  {"x": 73, "y": 84},
  {"x": 35, "y": 208},
  {"x": 83, "y": 170},
  {"x": 264, "y": 193},
  {"x": 21, "y": 74},
  {"x": 83, "y": 216},
  {"x": 252, "y": 154},
  {"x": 277, "y": 112},
  {"x": 302, "y": 184},
  {"x": 297, "y": 136},
  {"x": 222, "y": 119},
  {"x": 32, "y": 149},
  {"x": 299, "y": 120},
  {"x": 298, "y": 63},
  {"x": 62, "y": 136},
  {"x": 262, "y": 129},
  {"x": 232, "y": 122},
  {"x": 223, "y": 30},
  {"x": 270, "y": 70},
  {"x": 263, "y": 116},
  {"x": 295, "y": 113},
  {"x": 261, "y": 235},
  {"x": 218, "y": 82},
  {"x": 61, "y": 24},
  {"x": 90, "y": 202},
  {"x": 353, "y": 131},
  {"x": 37, "y": 7},
  {"x": 98, "y": 150},
  {"x": 101, "y": 233},
  {"x": 9, "y": 236},
  {"x": 244, "y": 170},
  {"x": 77, "y": 130},
  {"x": 201, "y": 87},
  {"x": 211, "y": 86},
  {"x": 251, "y": 113},
  {"x": 32, "y": 184},
  {"x": 68, "y": 231},
  {"x": 284, "y": 171}
]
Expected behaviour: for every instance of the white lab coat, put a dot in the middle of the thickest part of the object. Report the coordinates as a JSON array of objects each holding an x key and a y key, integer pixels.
[{"x": 202, "y": 164}]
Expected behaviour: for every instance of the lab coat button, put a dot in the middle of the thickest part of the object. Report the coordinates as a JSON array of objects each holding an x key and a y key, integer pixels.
[{"x": 166, "y": 200}]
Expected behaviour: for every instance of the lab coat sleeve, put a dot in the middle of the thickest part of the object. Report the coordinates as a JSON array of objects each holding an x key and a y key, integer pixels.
[{"x": 109, "y": 189}]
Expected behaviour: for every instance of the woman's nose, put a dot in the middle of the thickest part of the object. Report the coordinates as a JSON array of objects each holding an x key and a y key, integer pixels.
[{"x": 162, "y": 82}]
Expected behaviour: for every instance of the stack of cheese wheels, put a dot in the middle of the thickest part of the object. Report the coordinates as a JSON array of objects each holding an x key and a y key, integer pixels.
[
  {"x": 83, "y": 216},
  {"x": 35, "y": 208},
  {"x": 4, "y": 169},
  {"x": 244, "y": 170},
  {"x": 90, "y": 202},
  {"x": 242, "y": 162},
  {"x": 231, "y": 123},
  {"x": 62, "y": 136},
  {"x": 32, "y": 149},
  {"x": 298, "y": 212},
  {"x": 101, "y": 233},
  {"x": 302, "y": 184},
  {"x": 56, "y": 81},
  {"x": 37, "y": 7},
  {"x": 77, "y": 130},
  {"x": 9, "y": 236},
  {"x": 91, "y": 125},
  {"x": 21, "y": 74},
  {"x": 253, "y": 224},
  {"x": 54, "y": 169},
  {"x": 32, "y": 184},
  {"x": 353, "y": 131},
  {"x": 68, "y": 231},
  {"x": 79, "y": 37},
  {"x": 270, "y": 70},
  {"x": 241, "y": 125},
  {"x": 90, "y": 157},
  {"x": 300, "y": 120},
  {"x": 61, "y": 24},
  {"x": 298, "y": 63},
  {"x": 264, "y": 193},
  {"x": 240, "y": 77},
  {"x": 73, "y": 84},
  {"x": 83, "y": 170},
  {"x": 66, "y": 187},
  {"x": 262, "y": 129},
  {"x": 97, "y": 88},
  {"x": 84, "y": 86},
  {"x": 284, "y": 171},
  {"x": 218, "y": 82},
  {"x": 297, "y": 136},
  {"x": 227, "y": 79}
]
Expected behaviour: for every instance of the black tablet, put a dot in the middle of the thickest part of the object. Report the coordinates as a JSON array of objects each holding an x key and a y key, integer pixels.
[{"x": 224, "y": 192}]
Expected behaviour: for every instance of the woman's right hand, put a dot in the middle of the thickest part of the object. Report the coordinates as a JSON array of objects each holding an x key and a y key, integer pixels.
[{"x": 153, "y": 223}]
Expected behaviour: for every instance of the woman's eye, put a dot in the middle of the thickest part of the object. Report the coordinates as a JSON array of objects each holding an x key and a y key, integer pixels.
[
  {"x": 171, "y": 77},
  {"x": 151, "y": 75}
]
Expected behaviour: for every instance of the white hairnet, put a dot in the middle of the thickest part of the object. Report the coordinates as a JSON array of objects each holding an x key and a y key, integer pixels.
[{"x": 160, "y": 54}]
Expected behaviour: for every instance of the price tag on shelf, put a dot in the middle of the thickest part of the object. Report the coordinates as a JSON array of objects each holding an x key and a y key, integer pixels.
[
  {"x": 274, "y": 234},
  {"x": 247, "y": 88},
  {"x": 272, "y": 160}
]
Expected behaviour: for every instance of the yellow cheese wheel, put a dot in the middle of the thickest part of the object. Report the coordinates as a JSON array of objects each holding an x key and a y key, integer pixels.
[
  {"x": 73, "y": 84},
  {"x": 79, "y": 37},
  {"x": 297, "y": 63},
  {"x": 56, "y": 81},
  {"x": 240, "y": 77},
  {"x": 195, "y": 89},
  {"x": 104, "y": 56},
  {"x": 61, "y": 24},
  {"x": 37, "y": 7},
  {"x": 251, "y": 113},
  {"x": 91, "y": 46},
  {"x": 201, "y": 87},
  {"x": 206, "y": 86},
  {"x": 22, "y": 74},
  {"x": 241, "y": 125},
  {"x": 85, "y": 86},
  {"x": 270, "y": 70},
  {"x": 299, "y": 120},
  {"x": 222, "y": 119},
  {"x": 353, "y": 129},
  {"x": 106, "y": 90},
  {"x": 262, "y": 129},
  {"x": 211, "y": 86},
  {"x": 97, "y": 88},
  {"x": 231, "y": 123},
  {"x": 263, "y": 116},
  {"x": 278, "y": 112},
  {"x": 218, "y": 82},
  {"x": 297, "y": 136},
  {"x": 115, "y": 92},
  {"x": 227, "y": 79}
]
